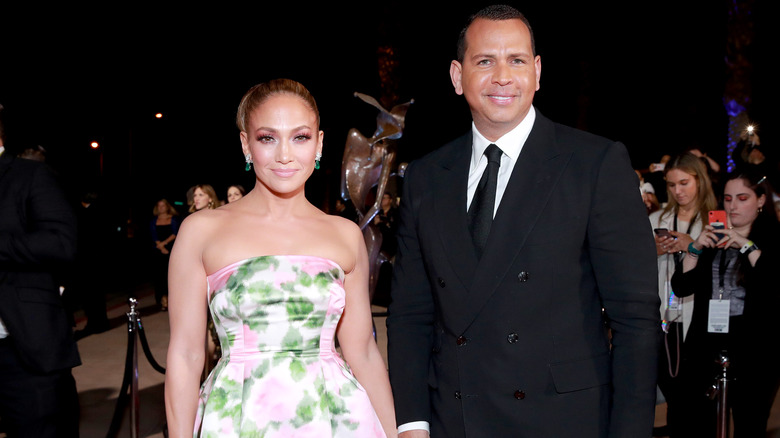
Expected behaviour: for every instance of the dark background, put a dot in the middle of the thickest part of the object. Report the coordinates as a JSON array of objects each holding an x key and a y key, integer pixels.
[{"x": 649, "y": 74}]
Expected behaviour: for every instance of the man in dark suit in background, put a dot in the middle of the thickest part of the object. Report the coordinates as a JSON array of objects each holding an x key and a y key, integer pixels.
[
  {"x": 541, "y": 320},
  {"x": 38, "y": 395}
]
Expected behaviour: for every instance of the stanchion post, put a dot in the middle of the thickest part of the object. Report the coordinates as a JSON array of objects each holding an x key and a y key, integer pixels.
[
  {"x": 132, "y": 325},
  {"x": 721, "y": 400}
]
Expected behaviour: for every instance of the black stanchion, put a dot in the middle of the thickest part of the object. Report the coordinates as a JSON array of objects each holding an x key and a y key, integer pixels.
[
  {"x": 129, "y": 388},
  {"x": 719, "y": 392}
]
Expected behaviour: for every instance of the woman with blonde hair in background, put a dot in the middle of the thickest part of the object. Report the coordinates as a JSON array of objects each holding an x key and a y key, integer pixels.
[
  {"x": 204, "y": 197},
  {"x": 690, "y": 198}
]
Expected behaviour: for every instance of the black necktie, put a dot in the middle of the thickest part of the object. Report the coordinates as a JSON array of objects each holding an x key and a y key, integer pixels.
[{"x": 484, "y": 202}]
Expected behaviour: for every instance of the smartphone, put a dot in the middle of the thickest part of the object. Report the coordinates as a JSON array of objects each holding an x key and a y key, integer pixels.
[
  {"x": 662, "y": 232},
  {"x": 657, "y": 167},
  {"x": 718, "y": 221}
]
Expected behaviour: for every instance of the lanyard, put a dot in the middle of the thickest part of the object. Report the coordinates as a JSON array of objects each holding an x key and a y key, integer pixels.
[
  {"x": 679, "y": 256},
  {"x": 722, "y": 273},
  {"x": 690, "y": 224}
]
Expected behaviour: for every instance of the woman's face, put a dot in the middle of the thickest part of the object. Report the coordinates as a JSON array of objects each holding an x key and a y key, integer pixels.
[
  {"x": 233, "y": 194},
  {"x": 682, "y": 186},
  {"x": 162, "y": 208},
  {"x": 741, "y": 203},
  {"x": 283, "y": 139},
  {"x": 201, "y": 199}
]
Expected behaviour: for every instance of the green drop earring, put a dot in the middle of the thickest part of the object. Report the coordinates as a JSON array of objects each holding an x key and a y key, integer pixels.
[
  {"x": 317, "y": 160},
  {"x": 248, "y": 162}
]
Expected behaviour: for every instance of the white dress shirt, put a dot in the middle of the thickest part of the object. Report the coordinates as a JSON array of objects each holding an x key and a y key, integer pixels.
[{"x": 510, "y": 144}]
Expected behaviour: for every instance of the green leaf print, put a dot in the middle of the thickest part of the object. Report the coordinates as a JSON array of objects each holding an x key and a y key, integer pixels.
[
  {"x": 297, "y": 369},
  {"x": 334, "y": 405},
  {"x": 305, "y": 410},
  {"x": 259, "y": 324},
  {"x": 292, "y": 340},
  {"x": 299, "y": 309},
  {"x": 261, "y": 369},
  {"x": 316, "y": 319},
  {"x": 304, "y": 279},
  {"x": 351, "y": 425},
  {"x": 323, "y": 280},
  {"x": 347, "y": 389},
  {"x": 264, "y": 291}
]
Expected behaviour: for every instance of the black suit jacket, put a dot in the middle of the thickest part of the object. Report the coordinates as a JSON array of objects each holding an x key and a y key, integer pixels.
[
  {"x": 516, "y": 343},
  {"x": 37, "y": 238}
]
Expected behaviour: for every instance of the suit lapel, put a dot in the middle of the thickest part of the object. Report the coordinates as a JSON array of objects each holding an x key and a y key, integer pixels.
[
  {"x": 533, "y": 180},
  {"x": 450, "y": 210}
]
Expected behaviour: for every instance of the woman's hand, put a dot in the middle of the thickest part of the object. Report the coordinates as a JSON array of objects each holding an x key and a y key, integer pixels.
[
  {"x": 732, "y": 239},
  {"x": 680, "y": 243},
  {"x": 662, "y": 244},
  {"x": 709, "y": 239}
]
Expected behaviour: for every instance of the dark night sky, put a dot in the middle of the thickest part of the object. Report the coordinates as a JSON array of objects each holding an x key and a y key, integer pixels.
[{"x": 652, "y": 78}]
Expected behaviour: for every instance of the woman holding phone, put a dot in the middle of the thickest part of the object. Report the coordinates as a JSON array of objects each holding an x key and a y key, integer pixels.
[
  {"x": 731, "y": 274},
  {"x": 677, "y": 225}
]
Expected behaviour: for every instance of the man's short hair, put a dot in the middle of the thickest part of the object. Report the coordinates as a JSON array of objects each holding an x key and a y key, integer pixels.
[{"x": 493, "y": 13}]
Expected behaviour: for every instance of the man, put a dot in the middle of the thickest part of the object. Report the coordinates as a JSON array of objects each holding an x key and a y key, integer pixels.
[
  {"x": 509, "y": 339},
  {"x": 38, "y": 395}
]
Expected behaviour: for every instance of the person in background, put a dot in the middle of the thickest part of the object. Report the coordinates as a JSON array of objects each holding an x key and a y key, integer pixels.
[
  {"x": 38, "y": 235},
  {"x": 655, "y": 176},
  {"x": 163, "y": 229},
  {"x": 281, "y": 279},
  {"x": 524, "y": 298},
  {"x": 678, "y": 224},
  {"x": 88, "y": 279},
  {"x": 203, "y": 197},
  {"x": 387, "y": 221},
  {"x": 648, "y": 193},
  {"x": 346, "y": 210},
  {"x": 732, "y": 275},
  {"x": 235, "y": 192}
]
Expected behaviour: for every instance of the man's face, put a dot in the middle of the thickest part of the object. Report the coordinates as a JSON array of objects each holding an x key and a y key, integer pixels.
[{"x": 498, "y": 76}]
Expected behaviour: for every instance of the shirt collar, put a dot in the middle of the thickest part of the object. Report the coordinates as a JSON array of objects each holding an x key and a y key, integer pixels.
[
  {"x": 2, "y": 149},
  {"x": 510, "y": 143}
]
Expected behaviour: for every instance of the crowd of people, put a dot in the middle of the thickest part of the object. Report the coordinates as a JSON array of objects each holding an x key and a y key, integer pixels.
[
  {"x": 498, "y": 304},
  {"x": 716, "y": 286}
]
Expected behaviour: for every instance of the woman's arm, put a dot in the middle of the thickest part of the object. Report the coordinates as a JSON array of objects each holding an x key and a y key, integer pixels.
[
  {"x": 187, "y": 316},
  {"x": 357, "y": 342}
]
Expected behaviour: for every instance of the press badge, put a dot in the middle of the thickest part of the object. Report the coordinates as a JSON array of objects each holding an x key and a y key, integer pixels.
[{"x": 718, "y": 321}]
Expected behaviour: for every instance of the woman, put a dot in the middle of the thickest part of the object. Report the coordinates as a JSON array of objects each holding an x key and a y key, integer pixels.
[
  {"x": 690, "y": 198},
  {"x": 235, "y": 192},
  {"x": 163, "y": 229},
  {"x": 733, "y": 272},
  {"x": 203, "y": 197},
  {"x": 280, "y": 278}
]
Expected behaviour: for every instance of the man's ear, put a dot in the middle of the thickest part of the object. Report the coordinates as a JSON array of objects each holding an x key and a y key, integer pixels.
[{"x": 456, "y": 74}]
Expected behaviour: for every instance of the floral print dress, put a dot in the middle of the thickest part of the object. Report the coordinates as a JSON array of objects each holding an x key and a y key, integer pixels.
[{"x": 280, "y": 375}]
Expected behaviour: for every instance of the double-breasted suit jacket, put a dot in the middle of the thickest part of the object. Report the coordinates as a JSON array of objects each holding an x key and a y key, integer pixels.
[
  {"x": 37, "y": 238},
  {"x": 517, "y": 343}
]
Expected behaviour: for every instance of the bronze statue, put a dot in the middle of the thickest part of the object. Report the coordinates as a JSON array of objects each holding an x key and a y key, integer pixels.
[{"x": 369, "y": 162}]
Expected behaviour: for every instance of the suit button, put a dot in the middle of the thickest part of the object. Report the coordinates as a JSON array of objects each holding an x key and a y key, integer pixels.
[
  {"x": 457, "y": 395},
  {"x": 441, "y": 282},
  {"x": 461, "y": 340},
  {"x": 519, "y": 394},
  {"x": 512, "y": 338},
  {"x": 522, "y": 277}
]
